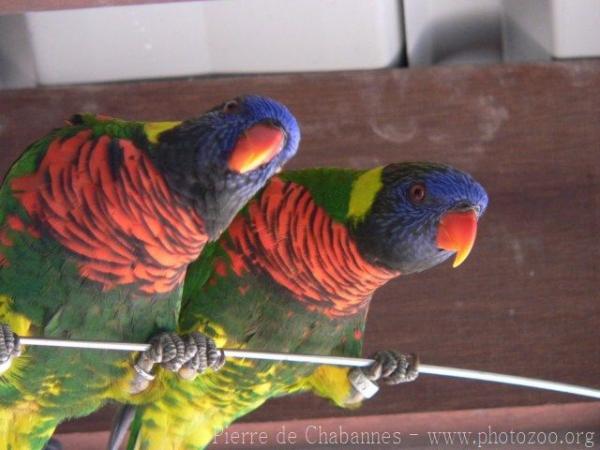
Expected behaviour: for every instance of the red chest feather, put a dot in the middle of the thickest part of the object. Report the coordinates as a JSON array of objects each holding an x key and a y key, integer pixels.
[
  {"x": 292, "y": 239},
  {"x": 104, "y": 201}
]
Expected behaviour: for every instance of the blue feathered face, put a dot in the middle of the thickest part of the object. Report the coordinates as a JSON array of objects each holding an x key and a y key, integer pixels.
[
  {"x": 251, "y": 135},
  {"x": 423, "y": 214},
  {"x": 219, "y": 160}
]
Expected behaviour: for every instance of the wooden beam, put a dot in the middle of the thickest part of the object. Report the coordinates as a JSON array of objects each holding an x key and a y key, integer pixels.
[
  {"x": 526, "y": 301},
  {"x": 571, "y": 423}
]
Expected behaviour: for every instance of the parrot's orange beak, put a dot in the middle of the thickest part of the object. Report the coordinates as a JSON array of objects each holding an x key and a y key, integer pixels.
[
  {"x": 258, "y": 145},
  {"x": 456, "y": 232}
]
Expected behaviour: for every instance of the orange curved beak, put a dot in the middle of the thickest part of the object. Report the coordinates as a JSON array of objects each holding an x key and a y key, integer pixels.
[
  {"x": 457, "y": 232},
  {"x": 258, "y": 145}
]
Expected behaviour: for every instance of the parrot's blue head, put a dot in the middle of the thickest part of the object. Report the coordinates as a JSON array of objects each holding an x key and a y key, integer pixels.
[
  {"x": 419, "y": 216},
  {"x": 219, "y": 160}
]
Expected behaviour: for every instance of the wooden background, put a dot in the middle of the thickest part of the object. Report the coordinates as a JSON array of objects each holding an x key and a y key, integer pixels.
[{"x": 526, "y": 301}]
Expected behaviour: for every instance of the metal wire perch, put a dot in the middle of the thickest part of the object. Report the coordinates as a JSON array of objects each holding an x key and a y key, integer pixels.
[{"x": 335, "y": 361}]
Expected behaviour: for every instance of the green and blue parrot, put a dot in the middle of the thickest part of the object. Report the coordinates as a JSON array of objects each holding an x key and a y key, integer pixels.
[
  {"x": 98, "y": 223},
  {"x": 295, "y": 272}
]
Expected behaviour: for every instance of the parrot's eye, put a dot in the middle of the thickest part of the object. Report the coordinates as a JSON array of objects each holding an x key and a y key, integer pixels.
[
  {"x": 231, "y": 106},
  {"x": 416, "y": 193}
]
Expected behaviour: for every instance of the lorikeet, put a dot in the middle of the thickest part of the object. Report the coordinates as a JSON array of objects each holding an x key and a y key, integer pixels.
[
  {"x": 98, "y": 223},
  {"x": 295, "y": 272}
]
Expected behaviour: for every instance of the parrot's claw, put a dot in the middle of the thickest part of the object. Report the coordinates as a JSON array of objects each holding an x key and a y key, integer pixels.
[
  {"x": 390, "y": 367},
  {"x": 205, "y": 355},
  {"x": 393, "y": 368},
  {"x": 9, "y": 347},
  {"x": 188, "y": 355}
]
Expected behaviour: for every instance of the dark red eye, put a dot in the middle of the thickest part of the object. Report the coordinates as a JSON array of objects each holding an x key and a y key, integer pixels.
[
  {"x": 416, "y": 193},
  {"x": 230, "y": 106}
]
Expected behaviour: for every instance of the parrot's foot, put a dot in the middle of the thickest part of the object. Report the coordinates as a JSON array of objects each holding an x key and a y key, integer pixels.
[
  {"x": 9, "y": 347},
  {"x": 189, "y": 355},
  {"x": 390, "y": 367},
  {"x": 205, "y": 355}
]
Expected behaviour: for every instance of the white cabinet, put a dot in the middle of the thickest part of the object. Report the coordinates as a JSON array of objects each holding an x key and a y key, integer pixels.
[
  {"x": 544, "y": 29},
  {"x": 214, "y": 37}
]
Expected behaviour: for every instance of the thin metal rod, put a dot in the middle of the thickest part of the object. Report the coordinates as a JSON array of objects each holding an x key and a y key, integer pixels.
[
  {"x": 291, "y": 357},
  {"x": 335, "y": 361},
  {"x": 92, "y": 345},
  {"x": 510, "y": 379}
]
